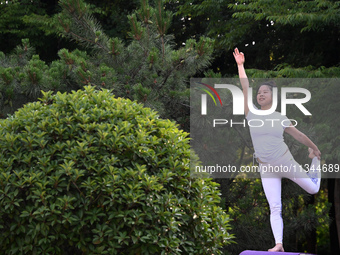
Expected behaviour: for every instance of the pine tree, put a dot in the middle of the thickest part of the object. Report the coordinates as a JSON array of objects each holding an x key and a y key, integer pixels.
[{"x": 150, "y": 68}]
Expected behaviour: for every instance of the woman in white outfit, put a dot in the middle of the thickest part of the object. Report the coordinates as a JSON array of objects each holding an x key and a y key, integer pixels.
[{"x": 275, "y": 160}]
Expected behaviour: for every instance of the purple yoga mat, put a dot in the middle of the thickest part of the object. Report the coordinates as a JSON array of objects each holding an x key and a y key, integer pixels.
[{"x": 272, "y": 253}]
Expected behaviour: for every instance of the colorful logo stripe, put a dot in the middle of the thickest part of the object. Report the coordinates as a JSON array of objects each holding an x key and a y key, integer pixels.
[{"x": 213, "y": 90}]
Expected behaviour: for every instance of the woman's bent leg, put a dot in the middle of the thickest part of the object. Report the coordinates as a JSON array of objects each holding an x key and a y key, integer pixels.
[{"x": 308, "y": 180}]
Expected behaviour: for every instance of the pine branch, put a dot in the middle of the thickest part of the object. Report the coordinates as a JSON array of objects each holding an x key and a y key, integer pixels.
[{"x": 83, "y": 28}]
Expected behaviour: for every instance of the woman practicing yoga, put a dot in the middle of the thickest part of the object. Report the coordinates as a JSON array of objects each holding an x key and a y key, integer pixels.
[{"x": 271, "y": 151}]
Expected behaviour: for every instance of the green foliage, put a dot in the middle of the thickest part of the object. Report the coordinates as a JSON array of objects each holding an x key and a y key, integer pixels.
[
  {"x": 38, "y": 21},
  {"x": 86, "y": 172},
  {"x": 112, "y": 15},
  {"x": 22, "y": 76},
  {"x": 150, "y": 60},
  {"x": 205, "y": 17},
  {"x": 148, "y": 69},
  {"x": 12, "y": 13},
  {"x": 320, "y": 14},
  {"x": 298, "y": 33},
  {"x": 21, "y": 19}
]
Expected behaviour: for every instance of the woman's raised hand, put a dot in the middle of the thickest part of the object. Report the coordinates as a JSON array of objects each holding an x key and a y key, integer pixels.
[{"x": 239, "y": 57}]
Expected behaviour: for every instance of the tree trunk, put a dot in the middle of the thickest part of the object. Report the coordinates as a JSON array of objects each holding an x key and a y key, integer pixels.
[
  {"x": 333, "y": 232},
  {"x": 312, "y": 239},
  {"x": 337, "y": 207}
]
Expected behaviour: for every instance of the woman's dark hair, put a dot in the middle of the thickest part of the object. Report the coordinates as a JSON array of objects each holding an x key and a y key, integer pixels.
[{"x": 270, "y": 84}]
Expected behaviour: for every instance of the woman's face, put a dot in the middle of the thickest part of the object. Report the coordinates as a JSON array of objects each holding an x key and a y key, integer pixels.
[{"x": 264, "y": 96}]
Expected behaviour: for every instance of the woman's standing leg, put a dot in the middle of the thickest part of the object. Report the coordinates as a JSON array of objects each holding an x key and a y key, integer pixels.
[
  {"x": 271, "y": 182},
  {"x": 272, "y": 189}
]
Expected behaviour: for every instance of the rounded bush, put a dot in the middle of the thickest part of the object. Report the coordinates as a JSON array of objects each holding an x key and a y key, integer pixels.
[{"x": 88, "y": 173}]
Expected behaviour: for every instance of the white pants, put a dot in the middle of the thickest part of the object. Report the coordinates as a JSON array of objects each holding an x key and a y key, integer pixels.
[{"x": 271, "y": 175}]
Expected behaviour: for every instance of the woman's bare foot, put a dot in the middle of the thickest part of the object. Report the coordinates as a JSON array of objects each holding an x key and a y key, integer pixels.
[
  {"x": 277, "y": 247},
  {"x": 311, "y": 153}
]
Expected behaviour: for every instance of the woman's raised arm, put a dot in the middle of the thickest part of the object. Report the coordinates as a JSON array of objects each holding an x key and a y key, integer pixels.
[{"x": 240, "y": 59}]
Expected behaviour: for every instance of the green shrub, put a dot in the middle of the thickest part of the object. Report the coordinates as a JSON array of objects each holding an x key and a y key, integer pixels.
[{"x": 87, "y": 173}]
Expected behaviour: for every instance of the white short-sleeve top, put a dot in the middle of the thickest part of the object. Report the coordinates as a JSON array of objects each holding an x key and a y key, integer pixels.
[{"x": 267, "y": 135}]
